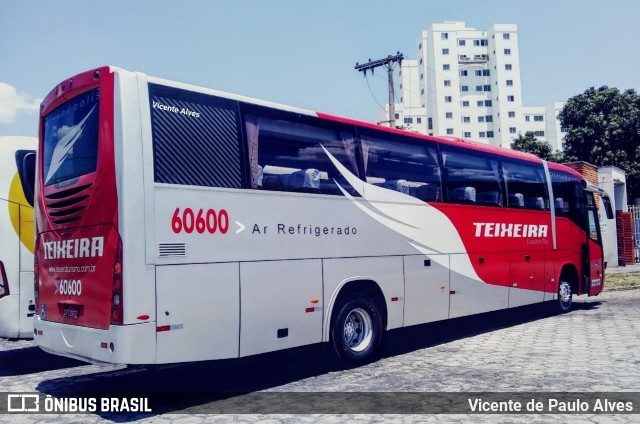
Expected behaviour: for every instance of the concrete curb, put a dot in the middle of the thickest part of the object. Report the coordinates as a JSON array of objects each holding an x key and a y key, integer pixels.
[{"x": 621, "y": 288}]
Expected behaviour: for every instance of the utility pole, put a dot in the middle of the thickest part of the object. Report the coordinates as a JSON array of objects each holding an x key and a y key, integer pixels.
[{"x": 387, "y": 62}]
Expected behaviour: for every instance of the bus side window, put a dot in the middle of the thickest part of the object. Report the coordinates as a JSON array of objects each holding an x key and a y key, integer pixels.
[
  {"x": 568, "y": 194},
  {"x": 403, "y": 165},
  {"x": 287, "y": 153},
  {"x": 471, "y": 177},
  {"x": 525, "y": 184}
]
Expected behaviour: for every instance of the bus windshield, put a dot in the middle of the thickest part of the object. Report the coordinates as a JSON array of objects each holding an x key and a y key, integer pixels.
[{"x": 71, "y": 139}]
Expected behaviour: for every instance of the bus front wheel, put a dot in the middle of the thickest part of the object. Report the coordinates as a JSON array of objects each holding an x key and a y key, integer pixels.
[
  {"x": 357, "y": 330},
  {"x": 565, "y": 296}
]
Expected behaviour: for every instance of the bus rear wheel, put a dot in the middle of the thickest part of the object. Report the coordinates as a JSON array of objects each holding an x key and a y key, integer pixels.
[{"x": 357, "y": 330}]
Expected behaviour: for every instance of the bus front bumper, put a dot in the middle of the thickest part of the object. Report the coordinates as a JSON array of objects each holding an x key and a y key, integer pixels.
[{"x": 121, "y": 344}]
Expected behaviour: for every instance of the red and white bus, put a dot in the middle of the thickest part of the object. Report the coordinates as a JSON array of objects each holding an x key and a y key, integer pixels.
[
  {"x": 177, "y": 223},
  {"x": 17, "y": 171}
]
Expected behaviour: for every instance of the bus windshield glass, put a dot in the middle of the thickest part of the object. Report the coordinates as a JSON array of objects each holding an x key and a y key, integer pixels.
[{"x": 70, "y": 146}]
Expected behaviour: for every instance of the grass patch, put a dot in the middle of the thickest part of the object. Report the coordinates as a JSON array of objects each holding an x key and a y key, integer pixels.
[{"x": 622, "y": 281}]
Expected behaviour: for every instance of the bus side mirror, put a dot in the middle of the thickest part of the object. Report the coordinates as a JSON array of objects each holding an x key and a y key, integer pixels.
[
  {"x": 26, "y": 162},
  {"x": 607, "y": 207}
]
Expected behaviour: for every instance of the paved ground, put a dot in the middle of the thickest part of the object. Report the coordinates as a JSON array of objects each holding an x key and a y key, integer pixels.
[{"x": 594, "y": 348}]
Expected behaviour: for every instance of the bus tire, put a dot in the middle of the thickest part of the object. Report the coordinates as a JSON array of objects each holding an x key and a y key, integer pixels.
[
  {"x": 356, "y": 331},
  {"x": 565, "y": 295}
]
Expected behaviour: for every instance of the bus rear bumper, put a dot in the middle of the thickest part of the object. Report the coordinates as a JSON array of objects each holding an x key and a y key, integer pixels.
[{"x": 122, "y": 344}]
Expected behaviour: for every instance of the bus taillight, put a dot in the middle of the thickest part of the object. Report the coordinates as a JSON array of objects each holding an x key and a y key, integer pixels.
[{"x": 116, "y": 295}]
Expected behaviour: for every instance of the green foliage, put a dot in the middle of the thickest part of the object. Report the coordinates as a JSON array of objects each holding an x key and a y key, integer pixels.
[
  {"x": 530, "y": 144},
  {"x": 603, "y": 128}
]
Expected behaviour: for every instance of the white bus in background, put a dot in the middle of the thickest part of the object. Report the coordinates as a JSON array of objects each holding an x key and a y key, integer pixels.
[{"x": 17, "y": 167}]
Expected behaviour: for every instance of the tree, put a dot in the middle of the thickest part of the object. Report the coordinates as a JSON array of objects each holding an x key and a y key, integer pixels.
[
  {"x": 603, "y": 128},
  {"x": 530, "y": 144}
]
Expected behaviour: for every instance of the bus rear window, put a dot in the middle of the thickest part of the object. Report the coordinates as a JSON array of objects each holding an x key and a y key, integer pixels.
[{"x": 71, "y": 139}]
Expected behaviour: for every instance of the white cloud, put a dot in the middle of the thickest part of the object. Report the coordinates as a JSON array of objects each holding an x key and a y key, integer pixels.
[{"x": 12, "y": 101}]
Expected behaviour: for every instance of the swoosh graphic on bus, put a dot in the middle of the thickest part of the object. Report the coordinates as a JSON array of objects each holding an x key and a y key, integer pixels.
[
  {"x": 427, "y": 229},
  {"x": 65, "y": 144}
]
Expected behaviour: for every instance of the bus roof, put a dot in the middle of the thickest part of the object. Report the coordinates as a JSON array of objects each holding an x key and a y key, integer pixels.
[{"x": 454, "y": 141}]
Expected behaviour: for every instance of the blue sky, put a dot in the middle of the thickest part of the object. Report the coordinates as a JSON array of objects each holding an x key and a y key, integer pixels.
[{"x": 299, "y": 52}]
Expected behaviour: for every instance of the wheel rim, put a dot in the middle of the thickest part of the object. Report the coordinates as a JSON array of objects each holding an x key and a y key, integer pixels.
[
  {"x": 564, "y": 295},
  {"x": 357, "y": 330}
]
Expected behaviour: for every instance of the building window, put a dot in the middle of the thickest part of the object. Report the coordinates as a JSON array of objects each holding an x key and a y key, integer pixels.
[
  {"x": 507, "y": 52},
  {"x": 480, "y": 118},
  {"x": 538, "y": 133},
  {"x": 418, "y": 120},
  {"x": 463, "y": 73},
  {"x": 448, "y": 115},
  {"x": 420, "y": 61},
  {"x": 446, "y": 67},
  {"x": 483, "y": 134},
  {"x": 512, "y": 114},
  {"x": 444, "y": 35},
  {"x": 479, "y": 72},
  {"x": 467, "y": 134},
  {"x": 488, "y": 118},
  {"x": 489, "y": 134},
  {"x": 485, "y": 73},
  {"x": 421, "y": 76},
  {"x": 505, "y": 36},
  {"x": 538, "y": 118},
  {"x": 401, "y": 99},
  {"x": 508, "y": 67},
  {"x": 509, "y": 83},
  {"x": 511, "y": 98},
  {"x": 466, "y": 119},
  {"x": 447, "y": 83},
  {"x": 464, "y": 88},
  {"x": 420, "y": 46},
  {"x": 422, "y": 92},
  {"x": 465, "y": 103},
  {"x": 487, "y": 87},
  {"x": 461, "y": 42},
  {"x": 480, "y": 103},
  {"x": 397, "y": 116},
  {"x": 450, "y": 131},
  {"x": 512, "y": 130},
  {"x": 488, "y": 103},
  {"x": 478, "y": 88},
  {"x": 527, "y": 117},
  {"x": 448, "y": 99},
  {"x": 481, "y": 42},
  {"x": 430, "y": 123},
  {"x": 445, "y": 51},
  {"x": 408, "y": 120}
]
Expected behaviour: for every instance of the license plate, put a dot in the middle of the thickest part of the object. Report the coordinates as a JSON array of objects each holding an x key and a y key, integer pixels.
[{"x": 71, "y": 311}]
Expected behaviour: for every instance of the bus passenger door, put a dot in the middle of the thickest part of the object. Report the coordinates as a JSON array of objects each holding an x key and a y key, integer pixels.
[{"x": 593, "y": 266}]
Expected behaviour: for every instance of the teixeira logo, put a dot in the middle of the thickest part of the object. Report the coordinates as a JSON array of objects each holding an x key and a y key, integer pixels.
[{"x": 501, "y": 229}]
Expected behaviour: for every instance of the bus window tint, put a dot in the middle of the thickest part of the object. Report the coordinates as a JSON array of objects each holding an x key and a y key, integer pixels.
[
  {"x": 288, "y": 156},
  {"x": 568, "y": 196},
  {"x": 471, "y": 177},
  {"x": 526, "y": 187},
  {"x": 409, "y": 168}
]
